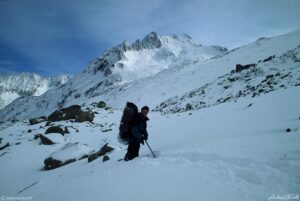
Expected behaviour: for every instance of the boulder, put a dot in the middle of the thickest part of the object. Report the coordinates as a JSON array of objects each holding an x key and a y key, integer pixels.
[
  {"x": 45, "y": 140},
  {"x": 69, "y": 153},
  {"x": 65, "y": 113},
  {"x": 37, "y": 120},
  {"x": 104, "y": 150},
  {"x": 232, "y": 79},
  {"x": 55, "y": 129},
  {"x": 269, "y": 58},
  {"x": 269, "y": 76},
  {"x": 84, "y": 116},
  {"x": 53, "y": 138},
  {"x": 105, "y": 158},
  {"x": 240, "y": 67},
  {"x": 52, "y": 163},
  {"x": 101, "y": 104}
]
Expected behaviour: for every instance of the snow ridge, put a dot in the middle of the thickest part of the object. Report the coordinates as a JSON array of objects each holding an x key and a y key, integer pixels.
[
  {"x": 26, "y": 84},
  {"x": 156, "y": 69}
]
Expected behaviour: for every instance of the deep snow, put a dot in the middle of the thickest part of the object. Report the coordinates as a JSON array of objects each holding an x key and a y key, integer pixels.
[
  {"x": 238, "y": 149},
  {"x": 226, "y": 152}
]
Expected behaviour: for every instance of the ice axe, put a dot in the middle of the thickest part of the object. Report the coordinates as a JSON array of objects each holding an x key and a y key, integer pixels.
[{"x": 150, "y": 149}]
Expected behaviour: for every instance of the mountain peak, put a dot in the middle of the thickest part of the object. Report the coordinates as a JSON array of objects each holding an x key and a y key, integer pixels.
[
  {"x": 182, "y": 37},
  {"x": 152, "y": 35},
  {"x": 177, "y": 45},
  {"x": 147, "y": 76},
  {"x": 152, "y": 40}
]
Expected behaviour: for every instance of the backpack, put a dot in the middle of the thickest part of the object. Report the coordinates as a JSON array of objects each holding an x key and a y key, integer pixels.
[{"x": 129, "y": 118}]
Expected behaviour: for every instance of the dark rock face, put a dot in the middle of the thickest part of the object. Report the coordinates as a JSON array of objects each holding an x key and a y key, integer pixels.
[
  {"x": 84, "y": 116},
  {"x": 221, "y": 49},
  {"x": 65, "y": 113},
  {"x": 240, "y": 67},
  {"x": 269, "y": 58},
  {"x": 55, "y": 129},
  {"x": 269, "y": 76},
  {"x": 104, "y": 149},
  {"x": 188, "y": 107},
  {"x": 152, "y": 40}
]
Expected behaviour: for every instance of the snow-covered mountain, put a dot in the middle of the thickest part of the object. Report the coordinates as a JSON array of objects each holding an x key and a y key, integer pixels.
[
  {"x": 224, "y": 125},
  {"x": 26, "y": 84},
  {"x": 159, "y": 68},
  {"x": 115, "y": 67},
  {"x": 149, "y": 56}
]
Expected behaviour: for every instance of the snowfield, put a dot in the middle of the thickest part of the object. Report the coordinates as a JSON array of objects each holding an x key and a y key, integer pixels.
[
  {"x": 219, "y": 133},
  {"x": 232, "y": 151}
]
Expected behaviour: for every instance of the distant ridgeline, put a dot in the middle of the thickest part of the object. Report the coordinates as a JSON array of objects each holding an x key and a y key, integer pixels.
[{"x": 26, "y": 84}]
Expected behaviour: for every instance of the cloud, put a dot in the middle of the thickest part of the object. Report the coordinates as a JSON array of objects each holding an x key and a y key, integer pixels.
[{"x": 55, "y": 37}]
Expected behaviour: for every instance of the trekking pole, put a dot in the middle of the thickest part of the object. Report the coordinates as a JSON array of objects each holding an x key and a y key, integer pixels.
[{"x": 150, "y": 149}]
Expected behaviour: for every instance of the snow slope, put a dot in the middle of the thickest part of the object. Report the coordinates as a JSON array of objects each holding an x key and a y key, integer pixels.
[
  {"x": 218, "y": 134},
  {"x": 113, "y": 77},
  {"x": 26, "y": 84},
  {"x": 116, "y": 67},
  {"x": 227, "y": 152}
]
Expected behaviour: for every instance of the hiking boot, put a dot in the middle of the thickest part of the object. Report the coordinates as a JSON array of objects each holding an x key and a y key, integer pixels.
[{"x": 128, "y": 157}]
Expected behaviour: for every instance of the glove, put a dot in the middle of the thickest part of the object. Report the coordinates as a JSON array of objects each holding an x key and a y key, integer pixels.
[
  {"x": 142, "y": 142},
  {"x": 145, "y": 136}
]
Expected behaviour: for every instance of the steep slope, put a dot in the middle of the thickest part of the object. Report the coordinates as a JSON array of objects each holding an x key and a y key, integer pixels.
[
  {"x": 185, "y": 77},
  {"x": 227, "y": 152},
  {"x": 115, "y": 67},
  {"x": 265, "y": 76},
  {"x": 109, "y": 77},
  {"x": 26, "y": 84},
  {"x": 219, "y": 133}
]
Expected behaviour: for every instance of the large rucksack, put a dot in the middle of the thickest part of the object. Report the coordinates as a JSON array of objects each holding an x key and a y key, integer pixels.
[{"x": 129, "y": 118}]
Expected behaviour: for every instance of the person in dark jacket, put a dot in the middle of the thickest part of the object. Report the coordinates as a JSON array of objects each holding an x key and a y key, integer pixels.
[{"x": 138, "y": 134}]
